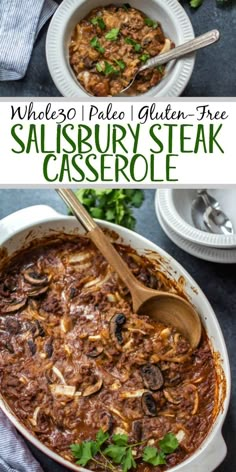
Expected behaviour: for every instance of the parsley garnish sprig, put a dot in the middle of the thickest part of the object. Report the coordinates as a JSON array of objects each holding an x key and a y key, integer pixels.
[
  {"x": 120, "y": 452},
  {"x": 114, "y": 205}
]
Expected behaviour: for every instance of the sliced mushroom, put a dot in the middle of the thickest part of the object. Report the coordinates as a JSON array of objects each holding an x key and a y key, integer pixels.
[
  {"x": 116, "y": 324},
  {"x": 14, "y": 305},
  {"x": 37, "y": 291},
  {"x": 107, "y": 422},
  {"x": 148, "y": 404},
  {"x": 95, "y": 351},
  {"x": 93, "y": 388},
  {"x": 152, "y": 377},
  {"x": 12, "y": 325},
  {"x": 137, "y": 430},
  {"x": 34, "y": 278},
  {"x": 32, "y": 346},
  {"x": 39, "y": 329},
  {"x": 9, "y": 347},
  {"x": 48, "y": 348}
]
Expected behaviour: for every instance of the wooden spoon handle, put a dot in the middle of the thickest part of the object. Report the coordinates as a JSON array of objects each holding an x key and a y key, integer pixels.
[{"x": 100, "y": 240}]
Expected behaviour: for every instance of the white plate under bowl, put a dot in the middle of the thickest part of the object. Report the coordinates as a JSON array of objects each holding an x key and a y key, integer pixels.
[
  {"x": 221, "y": 256},
  {"x": 175, "y": 208},
  {"x": 169, "y": 13}
]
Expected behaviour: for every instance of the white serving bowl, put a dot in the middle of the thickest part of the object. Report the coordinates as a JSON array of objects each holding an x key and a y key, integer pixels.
[
  {"x": 207, "y": 253},
  {"x": 169, "y": 13},
  {"x": 175, "y": 208},
  {"x": 31, "y": 223}
]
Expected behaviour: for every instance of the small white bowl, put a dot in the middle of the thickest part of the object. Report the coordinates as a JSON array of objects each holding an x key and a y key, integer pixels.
[
  {"x": 169, "y": 13},
  {"x": 175, "y": 209}
]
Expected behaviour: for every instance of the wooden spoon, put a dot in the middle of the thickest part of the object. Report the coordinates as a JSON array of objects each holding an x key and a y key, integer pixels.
[{"x": 168, "y": 308}]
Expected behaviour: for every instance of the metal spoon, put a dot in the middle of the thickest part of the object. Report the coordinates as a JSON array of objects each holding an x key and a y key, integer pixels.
[
  {"x": 208, "y": 216},
  {"x": 190, "y": 46},
  {"x": 165, "y": 307}
]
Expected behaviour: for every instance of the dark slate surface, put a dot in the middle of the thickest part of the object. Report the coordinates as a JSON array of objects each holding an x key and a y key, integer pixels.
[
  {"x": 217, "y": 281},
  {"x": 214, "y": 73}
]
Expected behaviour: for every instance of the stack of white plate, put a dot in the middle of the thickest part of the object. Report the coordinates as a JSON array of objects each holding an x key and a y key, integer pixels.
[{"x": 173, "y": 209}]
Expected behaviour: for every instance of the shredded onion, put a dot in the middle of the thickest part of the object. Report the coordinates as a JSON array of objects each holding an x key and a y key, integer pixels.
[
  {"x": 134, "y": 394},
  {"x": 58, "y": 373},
  {"x": 33, "y": 420},
  {"x": 66, "y": 390}
]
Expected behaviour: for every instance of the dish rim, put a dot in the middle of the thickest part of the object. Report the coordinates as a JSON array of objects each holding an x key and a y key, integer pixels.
[{"x": 57, "y": 56}]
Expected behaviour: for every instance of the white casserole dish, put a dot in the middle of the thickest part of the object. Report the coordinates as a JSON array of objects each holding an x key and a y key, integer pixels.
[
  {"x": 176, "y": 25},
  {"x": 24, "y": 226}
]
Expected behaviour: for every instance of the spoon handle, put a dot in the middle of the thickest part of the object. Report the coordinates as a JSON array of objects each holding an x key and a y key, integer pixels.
[
  {"x": 186, "y": 48},
  {"x": 98, "y": 237}
]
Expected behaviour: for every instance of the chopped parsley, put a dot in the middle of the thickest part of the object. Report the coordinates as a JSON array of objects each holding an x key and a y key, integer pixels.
[
  {"x": 196, "y": 3},
  {"x": 126, "y": 6},
  {"x": 137, "y": 47},
  {"x": 151, "y": 23},
  {"x": 99, "y": 67},
  {"x": 117, "y": 450},
  {"x": 160, "y": 69},
  {"x": 98, "y": 21},
  {"x": 95, "y": 43},
  {"x": 112, "y": 35},
  {"x": 120, "y": 63},
  {"x": 109, "y": 69},
  {"x": 144, "y": 57}
]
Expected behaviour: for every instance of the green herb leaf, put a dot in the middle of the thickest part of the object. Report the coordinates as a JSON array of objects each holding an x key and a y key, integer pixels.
[
  {"x": 120, "y": 439},
  {"x": 99, "y": 67},
  {"x": 137, "y": 47},
  {"x": 169, "y": 443},
  {"x": 126, "y": 6},
  {"x": 153, "y": 456},
  {"x": 160, "y": 69},
  {"x": 116, "y": 204},
  {"x": 98, "y": 21},
  {"x": 76, "y": 450},
  {"x": 120, "y": 63},
  {"x": 136, "y": 197},
  {"x": 112, "y": 35},
  {"x": 116, "y": 453},
  {"x": 101, "y": 437},
  {"x": 109, "y": 69},
  {"x": 128, "y": 461},
  {"x": 144, "y": 57},
  {"x": 110, "y": 215},
  {"x": 151, "y": 23},
  {"x": 196, "y": 3},
  {"x": 85, "y": 452},
  {"x": 96, "y": 212},
  {"x": 95, "y": 43}
]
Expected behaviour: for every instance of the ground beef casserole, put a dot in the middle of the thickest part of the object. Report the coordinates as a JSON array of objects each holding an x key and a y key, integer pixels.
[
  {"x": 74, "y": 358},
  {"x": 110, "y": 44}
]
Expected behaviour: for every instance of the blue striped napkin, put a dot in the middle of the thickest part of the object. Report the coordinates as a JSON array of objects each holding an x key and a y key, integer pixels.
[
  {"x": 14, "y": 454},
  {"x": 21, "y": 20}
]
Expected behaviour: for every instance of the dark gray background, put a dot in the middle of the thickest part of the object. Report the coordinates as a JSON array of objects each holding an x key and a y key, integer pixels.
[
  {"x": 214, "y": 74},
  {"x": 216, "y": 280}
]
